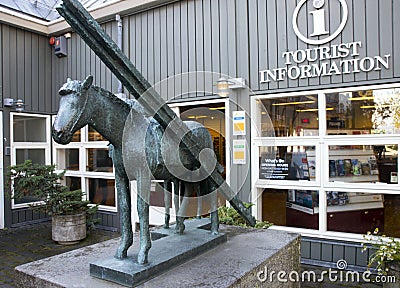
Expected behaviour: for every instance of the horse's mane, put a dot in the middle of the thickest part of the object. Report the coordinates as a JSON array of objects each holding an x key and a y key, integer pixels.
[{"x": 126, "y": 104}]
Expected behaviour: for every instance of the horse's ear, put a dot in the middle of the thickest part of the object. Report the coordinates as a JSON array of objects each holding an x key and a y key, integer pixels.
[{"x": 87, "y": 82}]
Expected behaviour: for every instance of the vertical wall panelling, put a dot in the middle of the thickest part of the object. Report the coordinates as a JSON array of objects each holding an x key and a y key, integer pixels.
[
  {"x": 372, "y": 35},
  {"x": 20, "y": 71},
  {"x": 241, "y": 47},
  {"x": 347, "y": 36},
  {"x": 302, "y": 21},
  {"x": 11, "y": 84},
  {"x": 254, "y": 46},
  {"x": 385, "y": 35},
  {"x": 272, "y": 52},
  {"x": 291, "y": 36},
  {"x": 150, "y": 45},
  {"x": 215, "y": 41},
  {"x": 263, "y": 48},
  {"x": 281, "y": 41},
  {"x": 170, "y": 52},
  {"x": 30, "y": 98},
  {"x": 208, "y": 79},
  {"x": 157, "y": 49},
  {"x": 191, "y": 25},
  {"x": 360, "y": 33},
  {"x": 199, "y": 27},
  {"x": 232, "y": 38},
  {"x": 334, "y": 21},
  {"x": 35, "y": 76},
  {"x": 138, "y": 42},
  {"x": 225, "y": 33},
  {"x": 144, "y": 45},
  {"x": 184, "y": 49},
  {"x": 177, "y": 50},
  {"x": 396, "y": 37},
  {"x": 164, "y": 62}
]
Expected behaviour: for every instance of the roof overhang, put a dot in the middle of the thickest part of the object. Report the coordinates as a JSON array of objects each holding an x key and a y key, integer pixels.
[{"x": 102, "y": 13}]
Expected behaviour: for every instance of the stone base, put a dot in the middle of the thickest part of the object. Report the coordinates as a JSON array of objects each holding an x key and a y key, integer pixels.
[
  {"x": 169, "y": 250},
  {"x": 243, "y": 261}
]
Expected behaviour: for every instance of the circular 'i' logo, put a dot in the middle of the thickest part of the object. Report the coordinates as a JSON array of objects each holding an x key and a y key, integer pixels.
[{"x": 319, "y": 23}]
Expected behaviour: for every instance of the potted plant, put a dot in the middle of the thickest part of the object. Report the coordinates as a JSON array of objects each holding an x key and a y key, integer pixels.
[
  {"x": 67, "y": 208},
  {"x": 386, "y": 256}
]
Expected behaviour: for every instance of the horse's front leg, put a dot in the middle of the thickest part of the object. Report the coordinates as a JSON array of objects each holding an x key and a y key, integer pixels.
[
  {"x": 143, "y": 185},
  {"x": 124, "y": 200},
  {"x": 167, "y": 186}
]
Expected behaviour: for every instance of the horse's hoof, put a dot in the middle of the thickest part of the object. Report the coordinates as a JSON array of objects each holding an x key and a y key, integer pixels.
[
  {"x": 121, "y": 255},
  {"x": 215, "y": 233},
  {"x": 166, "y": 226},
  {"x": 142, "y": 259}
]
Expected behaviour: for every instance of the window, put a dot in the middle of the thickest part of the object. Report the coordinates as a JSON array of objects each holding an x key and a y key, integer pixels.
[
  {"x": 30, "y": 140},
  {"x": 328, "y": 161},
  {"x": 88, "y": 167}
]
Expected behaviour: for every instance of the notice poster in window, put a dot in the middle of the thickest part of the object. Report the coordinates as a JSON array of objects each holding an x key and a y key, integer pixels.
[
  {"x": 239, "y": 127},
  {"x": 239, "y": 151},
  {"x": 299, "y": 167}
]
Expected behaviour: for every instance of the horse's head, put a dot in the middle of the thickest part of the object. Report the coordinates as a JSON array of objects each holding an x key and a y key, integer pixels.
[{"x": 72, "y": 114}]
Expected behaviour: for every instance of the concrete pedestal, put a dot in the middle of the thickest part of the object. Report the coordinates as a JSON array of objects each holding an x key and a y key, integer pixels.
[{"x": 247, "y": 259}]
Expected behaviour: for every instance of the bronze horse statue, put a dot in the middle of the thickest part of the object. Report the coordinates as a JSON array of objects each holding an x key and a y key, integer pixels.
[{"x": 137, "y": 152}]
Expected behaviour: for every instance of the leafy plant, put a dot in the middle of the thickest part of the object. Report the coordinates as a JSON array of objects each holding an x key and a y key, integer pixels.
[
  {"x": 386, "y": 250},
  {"x": 229, "y": 216},
  {"x": 42, "y": 183}
]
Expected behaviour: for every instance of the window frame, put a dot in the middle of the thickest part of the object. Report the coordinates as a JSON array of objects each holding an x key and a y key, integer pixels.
[
  {"x": 14, "y": 146},
  {"x": 321, "y": 143}
]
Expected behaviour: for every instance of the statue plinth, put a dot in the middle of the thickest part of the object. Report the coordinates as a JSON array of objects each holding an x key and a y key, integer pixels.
[
  {"x": 168, "y": 251},
  {"x": 246, "y": 256}
]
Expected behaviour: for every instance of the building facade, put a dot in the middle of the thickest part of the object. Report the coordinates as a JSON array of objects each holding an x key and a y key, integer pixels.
[{"x": 311, "y": 139}]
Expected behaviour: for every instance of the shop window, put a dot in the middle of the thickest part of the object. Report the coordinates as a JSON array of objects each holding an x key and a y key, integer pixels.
[
  {"x": 35, "y": 155},
  {"x": 74, "y": 183},
  {"x": 289, "y": 116},
  {"x": 363, "y": 112},
  {"x": 68, "y": 159},
  {"x": 360, "y": 212},
  {"x": 287, "y": 162},
  {"x": 291, "y": 207},
  {"x": 363, "y": 163},
  {"x": 98, "y": 160},
  {"x": 29, "y": 129},
  {"x": 102, "y": 191},
  {"x": 93, "y": 135},
  {"x": 76, "y": 137}
]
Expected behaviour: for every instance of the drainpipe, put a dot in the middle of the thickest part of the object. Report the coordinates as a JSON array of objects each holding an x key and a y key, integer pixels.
[{"x": 119, "y": 44}]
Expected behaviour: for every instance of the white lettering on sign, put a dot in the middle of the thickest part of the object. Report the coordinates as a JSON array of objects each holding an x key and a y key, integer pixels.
[
  {"x": 322, "y": 61},
  {"x": 295, "y": 70}
]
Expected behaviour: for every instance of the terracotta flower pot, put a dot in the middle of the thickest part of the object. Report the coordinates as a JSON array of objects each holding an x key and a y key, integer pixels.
[{"x": 69, "y": 229}]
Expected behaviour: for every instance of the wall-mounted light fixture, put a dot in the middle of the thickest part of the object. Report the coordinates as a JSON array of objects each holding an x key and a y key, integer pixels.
[
  {"x": 224, "y": 84},
  {"x": 18, "y": 104}
]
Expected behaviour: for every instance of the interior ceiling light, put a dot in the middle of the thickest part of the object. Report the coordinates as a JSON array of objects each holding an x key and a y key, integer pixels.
[
  {"x": 293, "y": 103},
  {"x": 361, "y": 98},
  {"x": 217, "y": 108},
  {"x": 314, "y": 109}
]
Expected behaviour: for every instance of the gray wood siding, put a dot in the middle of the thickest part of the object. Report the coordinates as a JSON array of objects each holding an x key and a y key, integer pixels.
[
  {"x": 25, "y": 72},
  {"x": 271, "y": 34},
  {"x": 191, "y": 36}
]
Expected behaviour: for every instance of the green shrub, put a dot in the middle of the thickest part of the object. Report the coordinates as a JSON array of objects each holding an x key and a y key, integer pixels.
[{"x": 229, "y": 216}]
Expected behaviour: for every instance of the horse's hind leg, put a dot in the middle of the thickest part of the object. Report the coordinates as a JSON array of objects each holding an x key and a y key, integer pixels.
[
  {"x": 124, "y": 200},
  {"x": 199, "y": 200},
  {"x": 167, "y": 202},
  {"x": 214, "y": 203},
  {"x": 143, "y": 185}
]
